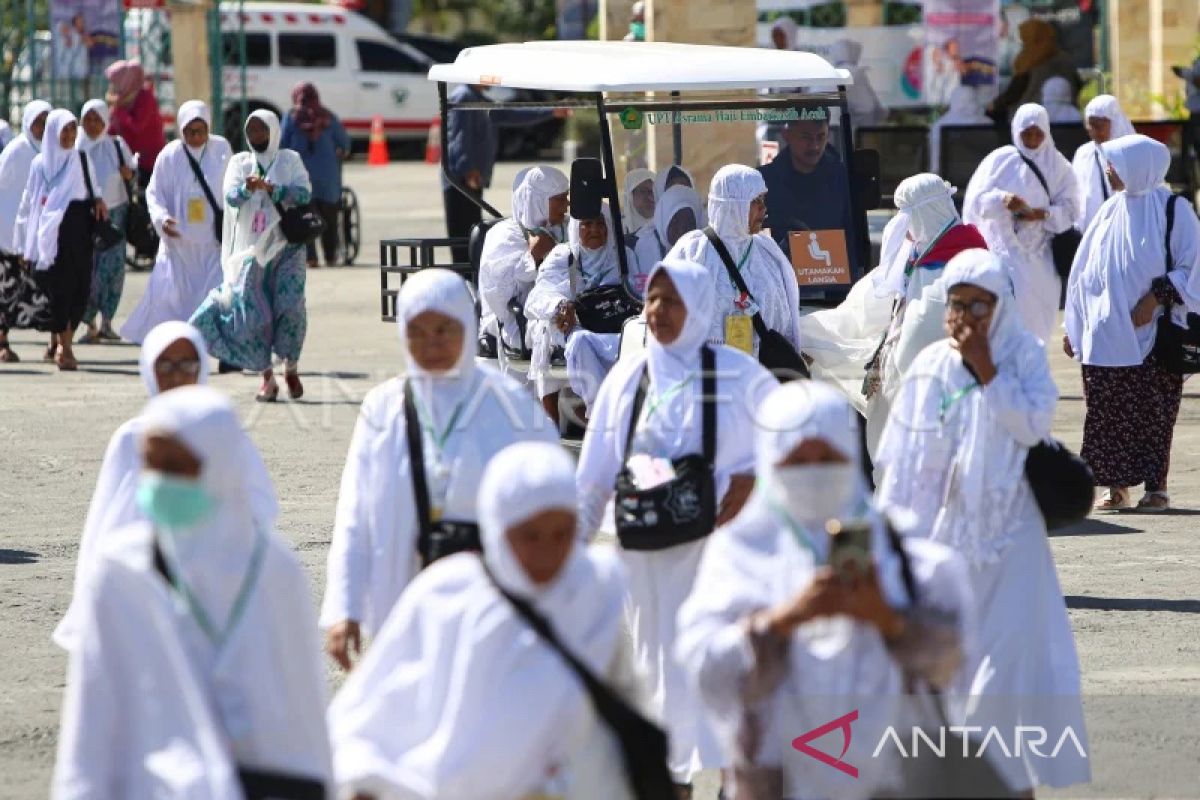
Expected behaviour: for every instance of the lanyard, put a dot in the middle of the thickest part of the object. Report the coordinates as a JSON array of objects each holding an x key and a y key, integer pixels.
[
  {"x": 52, "y": 182},
  {"x": 949, "y": 400},
  {"x": 659, "y": 399},
  {"x": 439, "y": 441},
  {"x": 915, "y": 258},
  {"x": 800, "y": 533},
  {"x": 218, "y": 637},
  {"x": 743, "y": 299}
]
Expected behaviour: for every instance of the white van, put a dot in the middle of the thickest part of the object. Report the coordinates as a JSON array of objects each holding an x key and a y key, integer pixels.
[{"x": 358, "y": 69}]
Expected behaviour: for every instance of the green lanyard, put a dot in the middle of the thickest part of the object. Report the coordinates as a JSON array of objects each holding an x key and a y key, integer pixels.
[
  {"x": 218, "y": 637},
  {"x": 659, "y": 399},
  {"x": 912, "y": 263},
  {"x": 949, "y": 400},
  {"x": 439, "y": 441}
]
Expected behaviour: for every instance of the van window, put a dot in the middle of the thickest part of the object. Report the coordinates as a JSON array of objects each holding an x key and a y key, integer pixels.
[
  {"x": 258, "y": 49},
  {"x": 312, "y": 50},
  {"x": 379, "y": 57}
]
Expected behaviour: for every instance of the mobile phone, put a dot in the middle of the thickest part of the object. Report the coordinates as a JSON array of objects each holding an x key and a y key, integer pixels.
[{"x": 849, "y": 548}]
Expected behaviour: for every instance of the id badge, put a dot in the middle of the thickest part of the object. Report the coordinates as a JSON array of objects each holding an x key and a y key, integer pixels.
[
  {"x": 259, "y": 224},
  {"x": 739, "y": 332},
  {"x": 197, "y": 210}
]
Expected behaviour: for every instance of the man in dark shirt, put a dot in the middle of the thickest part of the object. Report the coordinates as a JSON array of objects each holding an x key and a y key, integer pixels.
[{"x": 807, "y": 187}]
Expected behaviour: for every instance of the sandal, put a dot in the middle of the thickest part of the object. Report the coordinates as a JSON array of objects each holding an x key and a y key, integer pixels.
[
  {"x": 90, "y": 336},
  {"x": 50, "y": 355},
  {"x": 1115, "y": 498},
  {"x": 269, "y": 392},
  {"x": 66, "y": 363},
  {"x": 8, "y": 355},
  {"x": 1154, "y": 503},
  {"x": 295, "y": 387},
  {"x": 107, "y": 334}
]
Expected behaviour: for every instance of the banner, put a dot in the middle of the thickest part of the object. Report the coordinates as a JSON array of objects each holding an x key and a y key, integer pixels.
[
  {"x": 85, "y": 36},
  {"x": 962, "y": 47},
  {"x": 1076, "y": 21},
  {"x": 891, "y": 57}
]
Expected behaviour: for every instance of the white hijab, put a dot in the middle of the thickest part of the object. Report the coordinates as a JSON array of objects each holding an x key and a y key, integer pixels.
[
  {"x": 1122, "y": 253},
  {"x": 633, "y": 219},
  {"x": 790, "y": 30},
  {"x": 84, "y": 142},
  {"x": 674, "y": 200},
  {"x": 531, "y": 198},
  {"x": 446, "y": 293},
  {"x": 16, "y": 159},
  {"x": 943, "y": 437},
  {"x": 464, "y": 671},
  {"x": 926, "y": 209},
  {"x": 729, "y": 197},
  {"x": 1056, "y": 98},
  {"x": 189, "y": 112},
  {"x": 599, "y": 266},
  {"x": 267, "y": 157},
  {"x": 666, "y": 174},
  {"x": 1105, "y": 106},
  {"x": 964, "y": 109},
  {"x": 58, "y": 180}
]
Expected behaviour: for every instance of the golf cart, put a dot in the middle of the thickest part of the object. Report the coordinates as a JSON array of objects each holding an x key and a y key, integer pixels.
[{"x": 691, "y": 90}]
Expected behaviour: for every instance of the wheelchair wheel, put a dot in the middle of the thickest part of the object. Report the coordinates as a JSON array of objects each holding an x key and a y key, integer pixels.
[{"x": 351, "y": 225}]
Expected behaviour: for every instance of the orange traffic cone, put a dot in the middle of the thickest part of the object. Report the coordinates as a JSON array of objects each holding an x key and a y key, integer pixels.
[
  {"x": 377, "y": 151},
  {"x": 433, "y": 143}
]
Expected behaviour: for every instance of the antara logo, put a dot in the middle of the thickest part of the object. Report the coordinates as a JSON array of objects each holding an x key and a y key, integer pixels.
[{"x": 842, "y": 723}]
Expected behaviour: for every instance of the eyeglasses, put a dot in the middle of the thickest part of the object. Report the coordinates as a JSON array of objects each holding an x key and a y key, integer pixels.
[
  {"x": 189, "y": 367},
  {"x": 976, "y": 308}
]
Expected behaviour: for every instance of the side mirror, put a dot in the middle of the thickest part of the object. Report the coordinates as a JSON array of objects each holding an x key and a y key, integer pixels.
[
  {"x": 866, "y": 179},
  {"x": 587, "y": 188}
]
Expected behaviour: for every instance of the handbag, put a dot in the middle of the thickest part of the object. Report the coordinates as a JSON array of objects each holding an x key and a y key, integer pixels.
[
  {"x": 602, "y": 309},
  {"x": 218, "y": 212},
  {"x": 443, "y": 538},
  {"x": 105, "y": 235},
  {"x": 684, "y": 509},
  {"x": 644, "y": 747},
  {"x": 1062, "y": 483},
  {"x": 775, "y": 352},
  {"x": 1064, "y": 245},
  {"x": 139, "y": 229},
  {"x": 1176, "y": 349},
  {"x": 300, "y": 224},
  {"x": 518, "y": 312}
]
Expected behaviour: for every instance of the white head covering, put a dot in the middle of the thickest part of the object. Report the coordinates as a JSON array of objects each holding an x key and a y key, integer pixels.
[
  {"x": 266, "y": 157},
  {"x": 674, "y": 200},
  {"x": 84, "y": 142},
  {"x": 1140, "y": 162},
  {"x": 674, "y": 171},
  {"x": 1031, "y": 115},
  {"x": 1108, "y": 107},
  {"x": 598, "y": 265},
  {"x": 211, "y": 558},
  {"x": 189, "y": 111},
  {"x": 520, "y": 482},
  {"x": 790, "y": 30},
  {"x": 159, "y": 339},
  {"x": 926, "y": 208},
  {"x": 634, "y": 221},
  {"x": 1056, "y": 97},
  {"x": 845, "y": 53},
  {"x": 531, "y": 198},
  {"x": 964, "y": 108},
  {"x": 729, "y": 197},
  {"x": 60, "y": 182},
  {"x": 33, "y": 109}
]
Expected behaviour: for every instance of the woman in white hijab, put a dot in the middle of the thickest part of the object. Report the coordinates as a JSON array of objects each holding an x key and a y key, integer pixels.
[
  {"x": 466, "y": 414},
  {"x": 489, "y": 711},
  {"x": 1105, "y": 122},
  {"x": 185, "y": 212},
  {"x": 1019, "y": 213},
  {"x": 954, "y": 453},
  {"x": 203, "y": 600},
  {"x": 22, "y": 303},
  {"x": 674, "y": 175},
  {"x": 778, "y": 638},
  {"x": 587, "y": 261},
  {"x": 1119, "y": 288},
  {"x": 964, "y": 109},
  {"x": 514, "y": 249},
  {"x": 679, "y": 211},
  {"x": 59, "y": 210},
  {"x": 637, "y": 212},
  {"x": 1057, "y": 94},
  {"x": 865, "y": 106},
  {"x": 679, "y": 304},
  {"x": 115, "y": 166},
  {"x": 736, "y": 210},
  {"x": 172, "y": 356},
  {"x": 259, "y": 308}
]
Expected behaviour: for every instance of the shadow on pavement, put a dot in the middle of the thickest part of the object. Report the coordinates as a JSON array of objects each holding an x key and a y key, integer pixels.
[
  {"x": 1094, "y": 527},
  {"x": 1085, "y": 603},
  {"x": 18, "y": 557}
]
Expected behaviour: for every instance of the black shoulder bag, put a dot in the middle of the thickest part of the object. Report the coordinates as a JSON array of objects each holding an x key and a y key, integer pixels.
[
  {"x": 1062, "y": 483},
  {"x": 139, "y": 230},
  {"x": 435, "y": 539},
  {"x": 105, "y": 235},
  {"x": 300, "y": 224},
  {"x": 684, "y": 508},
  {"x": 1064, "y": 245},
  {"x": 1176, "y": 349},
  {"x": 644, "y": 746},
  {"x": 602, "y": 309},
  {"x": 775, "y": 352},
  {"x": 218, "y": 212}
]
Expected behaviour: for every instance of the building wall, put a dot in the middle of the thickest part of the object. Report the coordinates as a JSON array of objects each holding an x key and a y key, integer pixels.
[{"x": 1148, "y": 37}]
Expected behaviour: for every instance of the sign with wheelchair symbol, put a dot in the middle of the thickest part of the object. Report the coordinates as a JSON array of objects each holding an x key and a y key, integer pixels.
[{"x": 820, "y": 257}]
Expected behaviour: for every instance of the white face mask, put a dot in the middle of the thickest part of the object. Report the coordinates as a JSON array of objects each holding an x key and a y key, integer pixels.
[{"x": 815, "y": 493}]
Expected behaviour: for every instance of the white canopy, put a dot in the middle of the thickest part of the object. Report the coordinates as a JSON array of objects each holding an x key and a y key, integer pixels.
[{"x": 588, "y": 66}]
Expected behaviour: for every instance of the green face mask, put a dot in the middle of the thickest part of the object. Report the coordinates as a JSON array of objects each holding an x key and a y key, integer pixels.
[{"x": 174, "y": 503}]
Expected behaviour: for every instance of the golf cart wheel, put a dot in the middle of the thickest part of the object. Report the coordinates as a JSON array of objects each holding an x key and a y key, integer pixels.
[{"x": 351, "y": 225}]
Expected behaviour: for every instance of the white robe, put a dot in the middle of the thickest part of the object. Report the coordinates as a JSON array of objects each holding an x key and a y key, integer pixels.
[
  {"x": 507, "y": 271},
  {"x": 15, "y": 163},
  {"x": 659, "y": 581},
  {"x": 373, "y": 556},
  {"x": 187, "y": 267},
  {"x": 102, "y": 155},
  {"x": 145, "y": 676}
]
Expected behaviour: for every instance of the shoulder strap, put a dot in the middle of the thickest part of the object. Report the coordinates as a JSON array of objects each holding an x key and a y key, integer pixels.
[
  {"x": 87, "y": 175},
  {"x": 212, "y": 201},
  {"x": 1100, "y": 169},
  {"x": 416, "y": 465},
  {"x": 574, "y": 282},
  {"x": 906, "y": 573},
  {"x": 638, "y": 398},
  {"x": 735, "y": 275},
  {"x": 1037, "y": 173},
  {"x": 708, "y": 404},
  {"x": 1170, "y": 261}
]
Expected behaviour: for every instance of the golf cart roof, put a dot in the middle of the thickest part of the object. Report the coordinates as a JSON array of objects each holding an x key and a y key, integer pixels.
[{"x": 590, "y": 66}]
